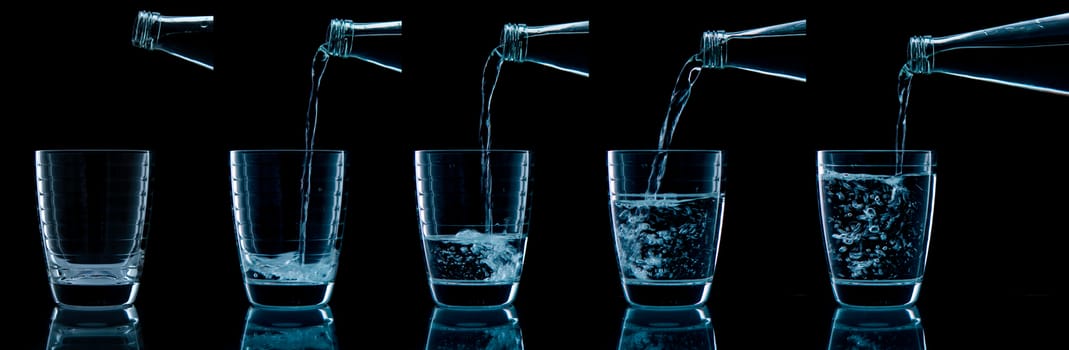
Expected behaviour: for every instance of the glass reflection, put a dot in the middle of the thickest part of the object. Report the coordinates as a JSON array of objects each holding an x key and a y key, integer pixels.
[
  {"x": 94, "y": 329},
  {"x": 278, "y": 329},
  {"x": 870, "y": 329},
  {"x": 460, "y": 329},
  {"x": 646, "y": 328}
]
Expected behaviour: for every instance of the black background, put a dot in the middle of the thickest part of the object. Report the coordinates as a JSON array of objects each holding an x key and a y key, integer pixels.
[{"x": 73, "y": 80}]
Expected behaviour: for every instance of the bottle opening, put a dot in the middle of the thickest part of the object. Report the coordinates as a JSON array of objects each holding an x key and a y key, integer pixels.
[
  {"x": 339, "y": 38},
  {"x": 146, "y": 30},
  {"x": 921, "y": 54},
  {"x": 713, "y": 51},
  {"x": 514, "y": 42}
]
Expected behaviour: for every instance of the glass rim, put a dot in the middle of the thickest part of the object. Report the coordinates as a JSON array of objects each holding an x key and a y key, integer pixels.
[
  {"x": 876, "y": 158},
  {"x": 285, "y": 150},
  {"x": 640, "y": 150},
  {"x": 92, "y": 150},
  {"x": 874, "y": 151},
  {"x": 470, "y": 150}
]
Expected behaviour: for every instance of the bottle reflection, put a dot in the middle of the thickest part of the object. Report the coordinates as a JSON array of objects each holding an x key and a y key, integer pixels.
[
  {"x": 667, "y": 329},
  {"x": 855, "y": 328},
  {"x": 275, "y": 329},
  {"x": 94, "y": 329},
  {"x": 457, "y": 329}
]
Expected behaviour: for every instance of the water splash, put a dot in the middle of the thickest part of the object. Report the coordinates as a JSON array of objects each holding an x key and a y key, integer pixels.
[{"x": 688, "y": 75}]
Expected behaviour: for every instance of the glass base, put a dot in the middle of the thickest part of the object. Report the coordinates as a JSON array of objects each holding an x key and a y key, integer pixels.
[
  {"x": 468, "y": 295},
  {"x": 683, "y": 294},
  {"x": 94, "y": 296},
  {"x": 289, "y": 296},
  {"x": 869, "y": 294}
]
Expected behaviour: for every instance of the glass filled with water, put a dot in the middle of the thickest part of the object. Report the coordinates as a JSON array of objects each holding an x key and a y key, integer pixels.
[
  {"x": 93, "y": 208},
  {"x": 876, "y": 209},
  {"x": 289, "y": 215},
  {"x": 667, "y": 211},
  {"x": 473, "y": 217}
]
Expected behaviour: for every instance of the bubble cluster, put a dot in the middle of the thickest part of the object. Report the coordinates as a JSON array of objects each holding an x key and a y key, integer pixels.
[
  {"x": 472, "y": 255},
  {"x": 876, "y": 224},
  {"x": 502, "y": 337},
  {"x": 288, "y": 267},
  {"x": 666, "y": 239}
]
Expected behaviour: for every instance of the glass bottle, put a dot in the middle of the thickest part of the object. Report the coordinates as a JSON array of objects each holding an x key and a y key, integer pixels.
[
  {"x": 560, "y": 46},
  {"x": 185, "y": 37},
  {"x": 377, "y": 43},
  {"x": 1030, "y": 54},
  {"x": 777, "y": 50}
]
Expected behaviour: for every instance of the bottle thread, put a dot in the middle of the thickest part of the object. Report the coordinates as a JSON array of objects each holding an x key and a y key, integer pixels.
[
  {"x": 514, "y": 42},
  {"x": 339, "y": 41},
  {"x": 714, "y": 49},
  {"x": 146, "y": 30},
  {"x": 921, "y": 54}
]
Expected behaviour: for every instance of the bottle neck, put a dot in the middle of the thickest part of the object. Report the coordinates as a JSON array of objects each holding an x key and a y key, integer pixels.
[
  {"x": 339, "y": 37},
  {"x": 378, "y": 43},
  {"x": 563, "y": 46},
  {"x": 514, "y": 42},
  {"x": 713, "y": 52},
  {"x": 185, "y": 37},
  {"x": 342, "y": 31},
  {"x": 921, "y": 54},
  {"x": 146, "y": 30},
  {"x": 151, "y": 27}
]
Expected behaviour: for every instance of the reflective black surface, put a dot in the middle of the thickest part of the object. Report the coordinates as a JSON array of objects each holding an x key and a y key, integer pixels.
[
  {"x": 676, "y": 328},
  {"x": 490, "y": 328},
  {"x": 74, "y": 80},
  {"x": 72, "y": 329},
  {"x": 899, "y": 328},
  {"x": 289, "y": 329},
  {"x": 799, "y": 322}
]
